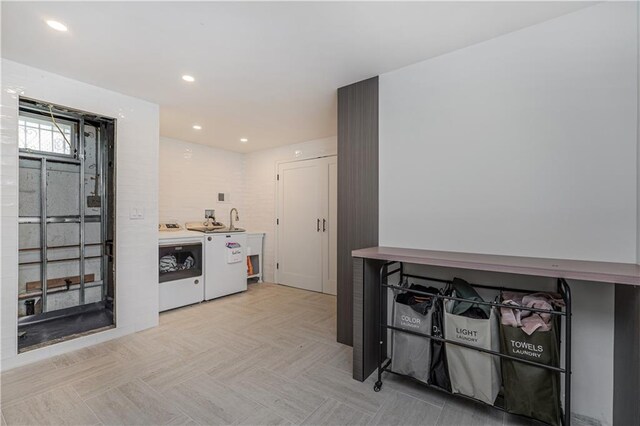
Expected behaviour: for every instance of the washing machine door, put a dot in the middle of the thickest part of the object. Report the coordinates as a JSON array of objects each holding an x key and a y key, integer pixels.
[{"x": 179, "y": 261}]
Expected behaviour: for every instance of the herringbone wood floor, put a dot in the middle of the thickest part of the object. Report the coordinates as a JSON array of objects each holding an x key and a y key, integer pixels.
[{"x": 267, "y": 356}]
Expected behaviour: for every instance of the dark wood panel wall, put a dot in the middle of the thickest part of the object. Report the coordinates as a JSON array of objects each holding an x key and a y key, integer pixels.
[
  {"x": 366, "y": 317},
  {"x": 626, "y": 356},
  {"x": 357, "y": 188}
]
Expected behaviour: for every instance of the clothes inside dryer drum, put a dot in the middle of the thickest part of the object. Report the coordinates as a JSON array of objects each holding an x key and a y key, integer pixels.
[
  {"x": 168, "y": 263},
  {"x": 410, "y": 353},
  {"x": 188, "y": 263}
]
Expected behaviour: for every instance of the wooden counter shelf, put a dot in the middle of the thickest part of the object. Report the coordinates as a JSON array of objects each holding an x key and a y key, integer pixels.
[{"x": 607, "y": 272}]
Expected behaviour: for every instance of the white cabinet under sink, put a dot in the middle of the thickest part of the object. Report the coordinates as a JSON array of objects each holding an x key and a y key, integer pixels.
[{"x": 225, "y": 264}]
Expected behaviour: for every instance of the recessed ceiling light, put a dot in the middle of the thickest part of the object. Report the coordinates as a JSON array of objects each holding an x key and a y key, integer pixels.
[
  {"x": 58, "y": 26},
  {"x": 197, "y": 127},
  {"x": 188, "y": 78},
  {"x": 243, "y": 140}
]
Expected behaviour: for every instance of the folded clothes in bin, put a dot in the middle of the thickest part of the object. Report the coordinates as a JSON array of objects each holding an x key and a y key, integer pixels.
[
  {"x": 533, "y": 336},
  {"x": 410, "y": 354},
  {"x": 472, "y": 373}
]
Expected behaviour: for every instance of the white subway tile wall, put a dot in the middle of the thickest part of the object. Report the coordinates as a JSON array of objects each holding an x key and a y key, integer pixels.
[
  {"x": 137, "y": 137},
  {"x": 192, "y": 175}
]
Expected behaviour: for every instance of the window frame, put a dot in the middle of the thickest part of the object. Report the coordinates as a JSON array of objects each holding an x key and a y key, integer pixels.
[{"x": 73, "y": 139}]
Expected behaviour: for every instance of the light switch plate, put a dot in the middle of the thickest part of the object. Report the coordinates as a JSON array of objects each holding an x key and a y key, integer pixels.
[{"x": 136, "y": 213}]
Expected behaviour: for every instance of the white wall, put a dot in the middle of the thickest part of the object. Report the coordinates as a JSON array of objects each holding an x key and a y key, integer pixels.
[
  {"x": 260, "y": 169},
  {"x": 525, "y": 145},
  {"x": 192, "y": 175},
  {"x": 522, "y": 145},
  {"x": 137, "y": 187}
]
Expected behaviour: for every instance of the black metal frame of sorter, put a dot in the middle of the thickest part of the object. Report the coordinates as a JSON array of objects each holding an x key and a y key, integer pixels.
[{"x": 563, "y": 290}]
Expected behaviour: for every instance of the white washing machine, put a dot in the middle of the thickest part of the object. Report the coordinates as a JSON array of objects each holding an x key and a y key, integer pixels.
[
  {"x": 225, "y": 264},
  {"x": 180, "y": 264}
]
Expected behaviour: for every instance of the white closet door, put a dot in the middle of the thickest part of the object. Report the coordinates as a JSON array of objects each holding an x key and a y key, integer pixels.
[
  {"x": 330, "y": 237},
  {"x": 300, "y": 190}
]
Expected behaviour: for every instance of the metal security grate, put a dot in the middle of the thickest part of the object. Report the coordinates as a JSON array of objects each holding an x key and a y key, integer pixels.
[{"x": 41, "y": 135}]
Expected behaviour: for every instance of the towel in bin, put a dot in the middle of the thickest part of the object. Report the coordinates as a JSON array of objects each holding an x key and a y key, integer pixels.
[{"x": 411, "y": 354}]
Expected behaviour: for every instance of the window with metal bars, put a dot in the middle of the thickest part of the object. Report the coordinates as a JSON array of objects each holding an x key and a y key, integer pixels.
[{"x": 40, "y": 134}]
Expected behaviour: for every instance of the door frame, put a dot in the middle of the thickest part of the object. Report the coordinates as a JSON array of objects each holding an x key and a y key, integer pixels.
[{"x": 276, "y": 275}]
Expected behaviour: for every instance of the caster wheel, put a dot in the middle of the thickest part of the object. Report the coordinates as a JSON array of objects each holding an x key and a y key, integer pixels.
[{"x": 377, "y": 386}]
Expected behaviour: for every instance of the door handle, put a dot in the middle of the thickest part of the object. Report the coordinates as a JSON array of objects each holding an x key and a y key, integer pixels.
[
  {"x": 324, "y": 225},
  {"x": 318, "y": 226}
]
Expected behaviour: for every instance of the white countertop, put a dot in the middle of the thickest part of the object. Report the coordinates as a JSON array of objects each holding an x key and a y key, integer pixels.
[{"x": 184, "y": 233}]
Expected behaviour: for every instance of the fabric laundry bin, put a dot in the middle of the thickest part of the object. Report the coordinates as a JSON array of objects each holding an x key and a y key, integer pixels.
[
  {"x": 473, "y": 373},
  {"x": 411, "y": 354},
  {"x": 439, "y": 374},
  {"x": 529, "y": 390}
]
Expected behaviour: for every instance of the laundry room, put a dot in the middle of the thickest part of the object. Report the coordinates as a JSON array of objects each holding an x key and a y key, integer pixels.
[
  {"x": 256, "y": 203},
  {"x": 320, "y": 213}
]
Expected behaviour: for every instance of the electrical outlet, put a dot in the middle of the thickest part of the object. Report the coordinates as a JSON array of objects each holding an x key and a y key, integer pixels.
[{"x": 209, "y": 213}]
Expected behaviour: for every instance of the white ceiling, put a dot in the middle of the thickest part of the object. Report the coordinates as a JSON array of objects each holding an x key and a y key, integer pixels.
[{"x": 265, "y": 71}]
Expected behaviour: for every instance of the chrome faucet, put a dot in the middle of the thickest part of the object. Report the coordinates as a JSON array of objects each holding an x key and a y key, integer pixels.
[{"x": 231, "y": 225}]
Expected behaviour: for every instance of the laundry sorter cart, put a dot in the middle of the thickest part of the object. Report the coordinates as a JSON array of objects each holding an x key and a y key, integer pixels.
[{"x": 509, "y": 362}]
